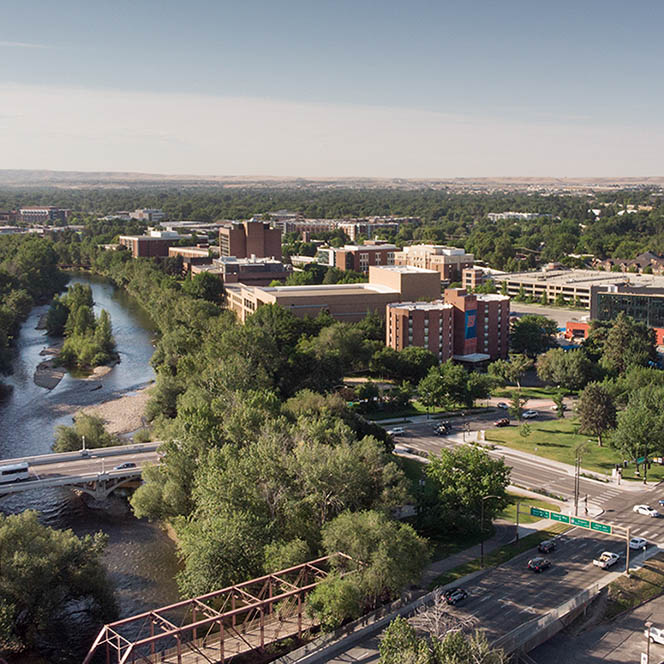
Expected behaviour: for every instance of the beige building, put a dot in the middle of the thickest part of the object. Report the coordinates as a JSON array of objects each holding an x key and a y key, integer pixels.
[
  {"x": 345, "y": 302},
  {"x": 450, "y": 262}
]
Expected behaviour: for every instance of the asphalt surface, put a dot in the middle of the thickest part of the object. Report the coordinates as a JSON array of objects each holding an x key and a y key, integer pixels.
[
  {"x": 92, "y": 464},
  {"x": 621, "y": 640}
]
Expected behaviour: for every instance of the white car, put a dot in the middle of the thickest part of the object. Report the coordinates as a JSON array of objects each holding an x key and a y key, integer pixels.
[
  {"x": 503, "y": 405},
  {"x": 646, "y": 510},
  {"x": 606, "y": 559},
  {"x": 554, "y": 408},
  {"x": 529, "y": 414},
  {"x": 638, "y": 543},
  {"x": 397, "y": 431},
  {"x": 656, "y": 634}
]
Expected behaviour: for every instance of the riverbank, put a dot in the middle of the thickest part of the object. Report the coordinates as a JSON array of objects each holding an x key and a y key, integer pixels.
[
  {"x": 123, "y": 415},
  {"x": 48, "y": 373}
]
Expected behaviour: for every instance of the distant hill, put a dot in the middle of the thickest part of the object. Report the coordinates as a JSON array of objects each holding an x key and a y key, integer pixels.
[{"x": 82, "y": 179}]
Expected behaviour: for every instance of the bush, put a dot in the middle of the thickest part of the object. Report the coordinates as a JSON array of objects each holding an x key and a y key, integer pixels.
[{"x": 335, "y": 600}]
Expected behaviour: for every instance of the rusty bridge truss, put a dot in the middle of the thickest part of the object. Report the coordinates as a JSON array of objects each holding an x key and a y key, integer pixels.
[{"x": 213, "y": 628}]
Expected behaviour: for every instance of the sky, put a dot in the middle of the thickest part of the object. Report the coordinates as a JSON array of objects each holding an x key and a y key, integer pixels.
[{"x": 322, "y": 88}]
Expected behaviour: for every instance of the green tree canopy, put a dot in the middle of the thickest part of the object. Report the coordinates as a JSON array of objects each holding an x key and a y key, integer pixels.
[{"x": 532, "y": 334}]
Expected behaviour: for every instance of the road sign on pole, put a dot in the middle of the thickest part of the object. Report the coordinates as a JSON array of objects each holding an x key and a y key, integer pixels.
[
  {"x": 600, "y": 527},
  {"x": 542, "y": 514},
  {"x": 575, "y": 521},
  {"x": 557, "y": 516}
]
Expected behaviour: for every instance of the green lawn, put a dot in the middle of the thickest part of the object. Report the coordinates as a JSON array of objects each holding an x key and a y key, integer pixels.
[
  {"x": 526, "y": 392},
  {"x": 556, "y": 439},
  {"x": 500, "y": 556},
  {"x": 416, "y": 408},
  {"x": 509, "y": 513}
]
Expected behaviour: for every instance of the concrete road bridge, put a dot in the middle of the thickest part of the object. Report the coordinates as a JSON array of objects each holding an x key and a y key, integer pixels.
[{"x": 95, "y": 471}]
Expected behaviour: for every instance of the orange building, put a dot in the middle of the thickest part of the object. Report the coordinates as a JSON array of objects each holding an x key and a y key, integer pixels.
[{"x": 250, "y": 238}]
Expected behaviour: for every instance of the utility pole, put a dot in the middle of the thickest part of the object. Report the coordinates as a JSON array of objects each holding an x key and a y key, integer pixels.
[
  {"x": 648, "y": 625},
  {"x": 518, "y": 505},
  {"x": 482, "y": 529},
  {"x": 627, "y": 555},
  {"x": 577, "y": 466}
]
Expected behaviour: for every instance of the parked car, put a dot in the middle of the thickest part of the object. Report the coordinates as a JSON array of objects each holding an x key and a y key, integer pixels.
[
  {"x": 529, "y": 414},
  {"x": 638, "y": 543},
  {"x": 502, "y": 422},
  {"x": 554, "y": 408},
  {"x": 503, "y": 405},
  {"x": 646, "y": 510},
  {"x": 125, "y": 465},
  {"x": 538, "y": 564},
  {"x": 441, "y": 429},
  {"x": 454, "y": 595},
  {"x": 656, "y": 634},
  {"x": 606, "y": 559},
  {"x": 397, "y": 431},
  {"x": 547, "y": 546},
  {"x": 661, "y": 501}
]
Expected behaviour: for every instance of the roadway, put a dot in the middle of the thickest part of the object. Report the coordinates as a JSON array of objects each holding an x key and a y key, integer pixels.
[{"x": 75, "y": 467}]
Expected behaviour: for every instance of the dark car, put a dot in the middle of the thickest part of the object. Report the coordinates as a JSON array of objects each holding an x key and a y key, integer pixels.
[
  {"x": 538, "y": 564},
  {"x": 454, "y": 595},
  {"x": 502, "y": 422},
  {"x": 124, "y": 466},
  {"x": 441, "y": 430},
  {"x": 547, "y": 546}
]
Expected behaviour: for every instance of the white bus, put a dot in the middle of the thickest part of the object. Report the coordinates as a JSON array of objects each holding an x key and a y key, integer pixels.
[{"x": 14, "y": 473}]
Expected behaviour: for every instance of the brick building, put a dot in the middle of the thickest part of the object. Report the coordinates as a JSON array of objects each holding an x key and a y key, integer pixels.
[
  {"x": 345, "y": 302},
  {"x": 147, "y": 246},
  {"x": 450, "y": 262},
  {"x": 250, "y": 238},
  {"x": 360, "y": 257},
  {"x": 249, "y": 271},
  {"x": 468, "y": 328}
]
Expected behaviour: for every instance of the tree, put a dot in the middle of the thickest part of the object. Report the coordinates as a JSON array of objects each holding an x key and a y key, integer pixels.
[
  {"x": 532, "y": 334},
  {"x": 56, "y": 318},
  {"x": 569, "y": 369},
  {"x": 400, "y": 644},
  {"x": 90, "y": 427},
  {"x": 525, "y": 430},
  {"x": 558, "y": 400},
  {"x": 282, "y": 555},
  {"x": 511, "y": 371},
  {"x": 596, "y": 411},
  {"x": 460, "y": 478},
  {"x": 628, "y": 343},
  {"x": 386, "y": 555},
  {"x": 47, "y": 577},
  {"x": 204, "y": 286},
  {"x": 335, "y": 600},
  {"x": 516, "y": 405},
  {"x": 640, "y": 428}
]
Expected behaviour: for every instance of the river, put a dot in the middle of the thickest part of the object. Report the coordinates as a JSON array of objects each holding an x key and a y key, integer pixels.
[{"x": 140, "y": 558}]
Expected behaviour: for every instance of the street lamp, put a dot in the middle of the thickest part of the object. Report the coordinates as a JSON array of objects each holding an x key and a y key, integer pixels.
[
  {"x": 482, "y": 528},
  {"x": 648, "y": 625}
]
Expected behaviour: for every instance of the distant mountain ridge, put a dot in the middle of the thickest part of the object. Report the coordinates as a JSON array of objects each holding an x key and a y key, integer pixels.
[{"x": 89, "y": 179}]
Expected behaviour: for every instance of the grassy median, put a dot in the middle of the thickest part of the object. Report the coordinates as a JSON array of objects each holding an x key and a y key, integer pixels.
[{"x": 558, "y": 439}]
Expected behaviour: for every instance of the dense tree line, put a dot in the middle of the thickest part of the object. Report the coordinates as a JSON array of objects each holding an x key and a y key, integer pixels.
[{"x": 29, "y": 275}]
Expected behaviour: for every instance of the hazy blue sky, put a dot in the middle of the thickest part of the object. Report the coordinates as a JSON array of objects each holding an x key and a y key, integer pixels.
[{"x": 385, "y": 88}]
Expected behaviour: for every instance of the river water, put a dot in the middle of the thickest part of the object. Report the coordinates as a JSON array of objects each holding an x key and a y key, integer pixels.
[{"x": 140, "y": 558}]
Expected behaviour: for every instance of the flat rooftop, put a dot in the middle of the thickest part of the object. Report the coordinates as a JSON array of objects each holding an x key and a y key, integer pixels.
[
  {"x": 492, "y": 297},
  {"x": 586, "y": 278},
  {"x": 404, "y": 269},
  {"x": 421, "y": 306},
  {"x": 320, "y": 290}
]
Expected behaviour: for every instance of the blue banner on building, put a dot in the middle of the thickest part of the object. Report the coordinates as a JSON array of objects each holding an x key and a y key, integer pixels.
[{"x": 471, "y": 324}]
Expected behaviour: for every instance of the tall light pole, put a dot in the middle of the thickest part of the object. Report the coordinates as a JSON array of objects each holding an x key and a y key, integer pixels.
[
  {"x": 648, "y": 625},
  {"x": 482, "y": 527}
]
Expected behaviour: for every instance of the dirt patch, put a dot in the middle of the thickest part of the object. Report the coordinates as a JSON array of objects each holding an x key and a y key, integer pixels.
[{"x": 122, "y": 415}]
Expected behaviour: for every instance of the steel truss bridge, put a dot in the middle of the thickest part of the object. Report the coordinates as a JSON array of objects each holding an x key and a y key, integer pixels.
[{"x": 214, "y": 628}]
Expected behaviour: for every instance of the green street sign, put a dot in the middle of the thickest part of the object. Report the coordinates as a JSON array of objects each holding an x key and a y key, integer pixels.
[
  {"x": 542, "y": 514},
  {"x": 557, "y": 516},
  {"x": 600, "y": 527},
  {"x": 575, "y": 521},
  {"x": 641, "y": 460}
]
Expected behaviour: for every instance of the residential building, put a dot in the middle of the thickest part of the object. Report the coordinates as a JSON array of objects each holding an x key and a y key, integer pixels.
[
  {"x": 345, "y": 302},
  {"x": 647, "y": 262},
  {"x": 43, "y": 214},
  {"x": 8, "y": 216},
  {"x": 574, "y": 286},
  {"x": 360, "y": 257},
  {"x": 468, "y": 328},
  {"x": 448, "y": 261},
  {"x": 426, "y": 324},
  {"x": 250, "y": 238},
  {"x": 148, "y": 246},
  {"x": 149, "y": 215}
]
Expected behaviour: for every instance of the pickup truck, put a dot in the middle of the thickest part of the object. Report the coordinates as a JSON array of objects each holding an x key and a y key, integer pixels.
[{"x": 606, "y": 559}]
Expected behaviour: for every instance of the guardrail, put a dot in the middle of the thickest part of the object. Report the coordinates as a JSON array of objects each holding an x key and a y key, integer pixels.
[{"x": 59, "y": 457}]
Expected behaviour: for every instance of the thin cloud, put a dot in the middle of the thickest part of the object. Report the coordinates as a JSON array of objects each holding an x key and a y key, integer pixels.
[{"x": 15, "y": 44}]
